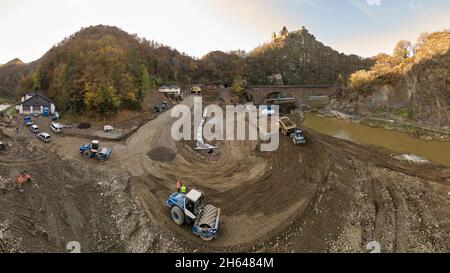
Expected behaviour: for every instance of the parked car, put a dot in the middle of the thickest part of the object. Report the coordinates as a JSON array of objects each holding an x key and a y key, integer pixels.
[
  {"x": 34, "y": 129},
  {"x": 55, "y": 116},
  {"x": 108, "y": 128},
  {"x": 44, "y": 137},
  {"x": 36, "y": 115},
  {"x": 28, "y": 121},
  {"x": 56, "y": 127}
]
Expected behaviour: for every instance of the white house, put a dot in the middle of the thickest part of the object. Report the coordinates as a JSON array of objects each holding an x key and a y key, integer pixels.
[
  {"x": 35, "y": 102},
  {"x": 170, "y": 90}
]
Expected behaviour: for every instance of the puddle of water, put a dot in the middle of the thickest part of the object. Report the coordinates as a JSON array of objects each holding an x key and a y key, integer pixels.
[{"x": 397, "y": 142}]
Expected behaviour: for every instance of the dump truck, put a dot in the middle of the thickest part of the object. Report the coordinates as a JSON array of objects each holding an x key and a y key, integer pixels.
[
  {"x": 196, "y": 90},
  {"x": 190, "y": 209},
  {"x": 93, "y": 150},
  {"x": 287, "y": 127}
]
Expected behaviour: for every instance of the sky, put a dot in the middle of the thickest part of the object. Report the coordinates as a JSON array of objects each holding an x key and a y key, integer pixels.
[{"x": 29, "y": 28}]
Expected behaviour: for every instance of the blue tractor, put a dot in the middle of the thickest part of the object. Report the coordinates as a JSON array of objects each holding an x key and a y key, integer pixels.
[
  {"x": 189, "y": 208},
  {"x": 93, "y": 150}
]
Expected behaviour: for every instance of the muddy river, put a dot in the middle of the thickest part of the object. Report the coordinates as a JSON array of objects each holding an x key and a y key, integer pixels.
[{"x": 397, "y": 142}]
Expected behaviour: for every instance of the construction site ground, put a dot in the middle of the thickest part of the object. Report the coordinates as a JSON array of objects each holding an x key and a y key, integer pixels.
[{"x": 328, "y": 196}]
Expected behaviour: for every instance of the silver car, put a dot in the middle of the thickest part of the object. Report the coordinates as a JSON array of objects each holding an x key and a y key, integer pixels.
[
  {"x": 44, "y": 137},
  {"x": 34, "y": 129}
]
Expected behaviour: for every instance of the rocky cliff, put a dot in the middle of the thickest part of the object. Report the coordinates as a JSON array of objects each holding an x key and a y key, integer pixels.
[{"x": 416, "y": 91}]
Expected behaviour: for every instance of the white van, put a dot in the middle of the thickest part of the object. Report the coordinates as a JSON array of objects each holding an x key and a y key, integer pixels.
[
  {"x": 56, "y": 127},
  {"x": 34, "y": 129}
]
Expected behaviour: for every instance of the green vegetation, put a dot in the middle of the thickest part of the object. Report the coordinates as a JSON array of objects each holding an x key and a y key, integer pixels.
[
  {"x": 5, "y": 100},
  {"x": 405, "y": 113},
  {"x": 239, "y": 86}
]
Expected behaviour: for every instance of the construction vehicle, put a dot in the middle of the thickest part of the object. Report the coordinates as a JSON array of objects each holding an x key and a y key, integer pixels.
[
  {"x": 93, "y": 150},
  {"x": 190, "y": 209},
  {"x": 287, "y": 127},
  {"x": 162, "y": 107},
  {"x": 196, "y": 90},
  {"x": 298, "y": 137},
  {"x": 28, "y": 121}
]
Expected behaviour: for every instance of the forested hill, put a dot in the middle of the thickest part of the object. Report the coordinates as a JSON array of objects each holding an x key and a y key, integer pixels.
[
  {"x": 12, "y": 75},
  {"x": 301, "y": 59},
  {"x": 104, "y": 69}
]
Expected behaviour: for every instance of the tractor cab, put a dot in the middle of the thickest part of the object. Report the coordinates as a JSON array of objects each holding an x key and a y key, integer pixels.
[
  {"x": 194, "y": 202},
  {"x": 95, "y": 146}
]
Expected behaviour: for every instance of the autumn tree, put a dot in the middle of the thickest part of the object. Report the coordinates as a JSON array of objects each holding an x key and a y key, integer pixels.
[
  {"x": 103, "y": 100},
  {"x": 402, "y": 51},
  {"x": 239, "y": 85}
]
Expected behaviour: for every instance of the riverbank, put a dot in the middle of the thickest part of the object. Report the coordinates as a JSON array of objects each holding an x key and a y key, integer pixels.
[
  {"x": 394, "y": 140},
  {"x": 394, "y": 124}
]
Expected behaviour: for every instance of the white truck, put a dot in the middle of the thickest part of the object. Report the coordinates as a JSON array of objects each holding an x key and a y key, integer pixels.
[{"x": 170, "y": 90}]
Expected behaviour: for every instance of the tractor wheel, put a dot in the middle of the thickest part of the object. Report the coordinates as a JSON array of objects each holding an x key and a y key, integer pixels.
[
  {"x": 177, "y": 215},
  {"x": 87, "y": 154}
]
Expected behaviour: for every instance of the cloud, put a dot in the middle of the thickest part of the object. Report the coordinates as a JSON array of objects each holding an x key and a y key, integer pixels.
[
  {"x": 373, "y": 2},
  {"x": 366, "y": 6}
]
